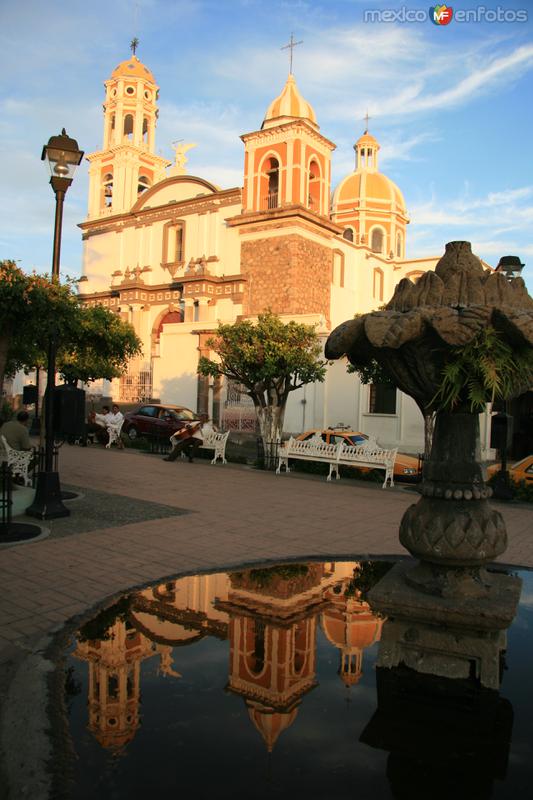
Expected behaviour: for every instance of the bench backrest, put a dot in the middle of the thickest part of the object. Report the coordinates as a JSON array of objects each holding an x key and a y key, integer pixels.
[
  {"x": 215, "y": 437},
  {"x": 312, "y": 448},
  {"x": 374, "y": 455}
]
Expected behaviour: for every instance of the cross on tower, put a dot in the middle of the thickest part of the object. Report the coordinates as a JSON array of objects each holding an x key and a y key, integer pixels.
[
  {"x": 366, "y": 118},
  {"x": 134, "y": 44},
  {"x": 292, "y": 44}
]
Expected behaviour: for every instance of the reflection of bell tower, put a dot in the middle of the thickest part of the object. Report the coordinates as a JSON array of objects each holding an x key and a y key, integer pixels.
[
  {"x": 127, "y": 165},
  {"x": 114, "y": 683},
  {"x": 273, "y": 642}
]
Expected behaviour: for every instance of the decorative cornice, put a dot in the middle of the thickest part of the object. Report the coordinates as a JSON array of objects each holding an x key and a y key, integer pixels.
[
  {"x": 287, "y": 215},
  {"x": 279, "y": 132}
]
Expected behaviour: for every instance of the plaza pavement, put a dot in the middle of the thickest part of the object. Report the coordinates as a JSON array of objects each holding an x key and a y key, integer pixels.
[
  {"x": 235, "y": 515},
  {"x": 211, "y": 517}
]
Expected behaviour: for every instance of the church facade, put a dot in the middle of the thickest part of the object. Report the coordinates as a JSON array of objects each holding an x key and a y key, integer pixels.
[{"x": 175, "y": 255}]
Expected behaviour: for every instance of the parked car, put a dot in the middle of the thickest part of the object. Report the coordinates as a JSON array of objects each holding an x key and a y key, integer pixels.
[
  {"x": 406, "y": 467},
  {"x": 520, "y": 471},
  {"x": 153, "y": 419}
]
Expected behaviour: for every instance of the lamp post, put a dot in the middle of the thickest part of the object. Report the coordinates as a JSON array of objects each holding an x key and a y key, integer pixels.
[{"x": 62, "y": 156}]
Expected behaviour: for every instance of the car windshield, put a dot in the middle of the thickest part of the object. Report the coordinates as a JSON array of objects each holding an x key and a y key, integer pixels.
[
  {"x": 357, "y": 438},
  {"x": 185, "y": 414}
]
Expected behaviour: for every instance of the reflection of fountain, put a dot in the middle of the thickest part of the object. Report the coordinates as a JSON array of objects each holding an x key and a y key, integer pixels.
[
  {"x": 452, "y": 529},
  {"x": 445, "y": 738}
]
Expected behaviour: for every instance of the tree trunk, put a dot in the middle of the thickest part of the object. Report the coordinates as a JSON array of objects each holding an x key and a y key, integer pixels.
[
  {"x": 429, "y": 427},
  {"x": 270, "y": 420},
  {"x": 5, "y": 338}
]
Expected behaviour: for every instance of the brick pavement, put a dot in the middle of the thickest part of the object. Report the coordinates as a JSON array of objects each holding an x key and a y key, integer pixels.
[{"x": 237, "y": 515}]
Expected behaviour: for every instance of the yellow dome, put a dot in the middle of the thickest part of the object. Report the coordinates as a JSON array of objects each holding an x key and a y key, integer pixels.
[
  {"x": 290, "y": 104},
  {"x": 368, "y": 186},
  {"x": 367, "y": 138},
  {"x": 133, "y": 68}
]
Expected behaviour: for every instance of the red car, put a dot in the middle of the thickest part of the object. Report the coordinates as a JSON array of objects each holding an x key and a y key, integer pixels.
[{"x": 157, "y": 420}]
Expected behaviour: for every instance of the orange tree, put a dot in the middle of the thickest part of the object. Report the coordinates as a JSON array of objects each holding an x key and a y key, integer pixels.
[{"x": 270, "y": 359}]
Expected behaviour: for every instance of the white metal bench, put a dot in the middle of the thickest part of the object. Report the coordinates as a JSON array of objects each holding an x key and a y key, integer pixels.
[
  {"x": 371, "y": 456},
  {"x": 337, "y": 455},
  {"x": 114, "y": 432},
  {"x": 212, "y": 441},
  {"x": 310, "y": 450},
  {"x": 217, "y": 442},
  {"x": 18, "y": 460}
]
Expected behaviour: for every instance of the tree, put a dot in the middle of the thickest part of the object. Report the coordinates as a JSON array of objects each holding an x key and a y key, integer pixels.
[
  {"x": 93, "y": 342},
  {"x": 30, "y": 305},
  {"x": 101, "y": 344},
  {"x": 270, "y": 359}
]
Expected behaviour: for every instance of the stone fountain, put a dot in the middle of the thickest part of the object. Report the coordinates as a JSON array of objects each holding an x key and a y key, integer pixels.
[{"x": 453, "y": 531}]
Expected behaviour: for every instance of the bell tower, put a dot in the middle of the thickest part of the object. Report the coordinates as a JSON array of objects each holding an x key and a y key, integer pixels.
[{"x": 127, "y": 165}]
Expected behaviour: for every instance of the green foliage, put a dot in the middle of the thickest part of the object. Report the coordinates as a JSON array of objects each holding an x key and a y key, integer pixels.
[
  {"x": 266, "y": 576},
  {"x": 270, "y": 358},
  {"x": 366, "y": 576},
  {"x": 371, "y": 372},
  {"x": 102, "y": 344},
  {"x": 482, "y": 371},
  {"x": 523, "y": 491},
  {"x": 92, "y": 342},
  {"x": 97, "y": 629}
]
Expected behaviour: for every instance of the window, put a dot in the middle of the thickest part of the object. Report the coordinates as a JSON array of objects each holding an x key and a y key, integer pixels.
[
  {"x": 178, "y": 255},
  {"x": 313, "y": 199},
  {"x": 348, "y": 234},
  {"x": 128, "y": 126},
  {"x": 148, "y": 411},
  {"x": 338, "y": 268},
  {"x": 108, "y": 190},
  {"x": 382, "y": 399},
  {"x": 145, "y": 130},
  {"x": 399, "y": 245},
  {"x": 376, "y": 240},
  {"x": 272, "y": 172},
  {"x": 378, "y": 284},
  {"x": 143, "y": 184}
]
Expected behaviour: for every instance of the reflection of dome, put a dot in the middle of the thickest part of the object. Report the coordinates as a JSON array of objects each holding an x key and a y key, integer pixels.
[
  {"x": 289, "y": 105},
  {"x": 270, "y": 723},
  {"x": 358, "y": 629},
  {"x": 133, "y": 68},
  {"x": 365, "y": 187}
]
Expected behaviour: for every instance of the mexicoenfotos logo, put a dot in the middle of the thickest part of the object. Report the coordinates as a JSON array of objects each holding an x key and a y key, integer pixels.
[{"x": 441, "y": 15}]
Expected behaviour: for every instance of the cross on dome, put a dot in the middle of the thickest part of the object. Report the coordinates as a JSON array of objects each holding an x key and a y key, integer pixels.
[
  {"x": 366, "y": 118},
  {"x": 292, "y": 44},
  {"x": 134, "y": 44}
]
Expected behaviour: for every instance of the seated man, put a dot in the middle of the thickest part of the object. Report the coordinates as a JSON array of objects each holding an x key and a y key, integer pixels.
[
  {"x": 189, "y": 438},
  {"x": 99, "y": 424},
  {"x": 16, "y": 432}
]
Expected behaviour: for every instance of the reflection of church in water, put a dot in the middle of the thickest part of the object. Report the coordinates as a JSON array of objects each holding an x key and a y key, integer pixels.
[{"x": 270, "y": 616}]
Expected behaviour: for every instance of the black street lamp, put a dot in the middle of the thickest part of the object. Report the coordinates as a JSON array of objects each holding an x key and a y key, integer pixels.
[{"x": 63, "y": 156}]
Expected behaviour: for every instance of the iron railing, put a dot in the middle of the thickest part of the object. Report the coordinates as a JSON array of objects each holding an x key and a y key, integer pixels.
[
  {"x": 6, "y": 491},
  {"x": 268, "y": 461}
]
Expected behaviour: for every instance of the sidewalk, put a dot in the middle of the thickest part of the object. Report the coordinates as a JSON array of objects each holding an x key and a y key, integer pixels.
[{"x": 225, "y": 516}]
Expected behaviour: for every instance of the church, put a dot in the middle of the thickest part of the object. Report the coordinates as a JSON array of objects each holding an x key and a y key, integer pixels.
[{"x": 174, "y": 254}]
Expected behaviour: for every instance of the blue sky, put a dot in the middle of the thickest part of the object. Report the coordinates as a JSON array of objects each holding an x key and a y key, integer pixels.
[{"x": 452, "y": 106}]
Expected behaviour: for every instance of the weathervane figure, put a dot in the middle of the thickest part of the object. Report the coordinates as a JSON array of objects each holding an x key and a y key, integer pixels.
[
  {"x": 292, "y": 44},
  {"x": 134, "y": 44}
]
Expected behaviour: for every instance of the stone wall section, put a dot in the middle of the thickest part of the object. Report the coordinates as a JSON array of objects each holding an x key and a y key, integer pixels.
[{"x": 288, "y": 274}]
